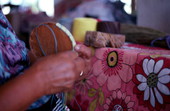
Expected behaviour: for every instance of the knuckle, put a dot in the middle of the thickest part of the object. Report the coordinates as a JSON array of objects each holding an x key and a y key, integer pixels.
[
  {"x": 70, "y": 86},
  {"x": 72, "y": 75},
  {"x": 71, "y": 65}
]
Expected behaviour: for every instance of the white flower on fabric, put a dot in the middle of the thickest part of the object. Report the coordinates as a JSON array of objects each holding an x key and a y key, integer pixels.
[{"x": 153, "y": 83}]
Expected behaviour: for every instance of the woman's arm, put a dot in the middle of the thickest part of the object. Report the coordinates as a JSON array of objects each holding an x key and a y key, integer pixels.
[
  {"x": 19, "y": 93},
  {"x": 49, "y": 75}
]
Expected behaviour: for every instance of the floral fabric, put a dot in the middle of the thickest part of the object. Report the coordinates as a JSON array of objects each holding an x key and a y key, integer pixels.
[
  {"x": 13, "y": 53},
  {"x": 13, "y": 56},
  {"x": 133, "y": 78}
]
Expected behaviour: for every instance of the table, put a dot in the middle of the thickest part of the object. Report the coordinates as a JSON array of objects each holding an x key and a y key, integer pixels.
[{"x": 131, "y": 78}]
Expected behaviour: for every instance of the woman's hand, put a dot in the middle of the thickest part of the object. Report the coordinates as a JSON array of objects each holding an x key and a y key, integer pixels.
[
  {"x": 85, "y": 53},
  {"x": 57, "y": 73}
]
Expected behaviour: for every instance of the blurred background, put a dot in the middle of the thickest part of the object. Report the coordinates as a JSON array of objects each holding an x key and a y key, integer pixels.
[{"x": 24, "y": 15}]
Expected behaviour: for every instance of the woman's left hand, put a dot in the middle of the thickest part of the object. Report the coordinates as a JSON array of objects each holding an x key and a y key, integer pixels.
[{"x": 85, "y": 53}]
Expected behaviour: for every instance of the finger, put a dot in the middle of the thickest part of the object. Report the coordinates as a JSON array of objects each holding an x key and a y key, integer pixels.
[
  {"x": 81, "y": 78},
  {"x": 69, "y": 54},
  {"x": 79, "y": 66},
  {"x": 65, "y": 86},
  {"x": 83, "y": 51}
]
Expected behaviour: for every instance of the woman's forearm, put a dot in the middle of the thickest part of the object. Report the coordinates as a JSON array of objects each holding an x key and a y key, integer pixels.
[{"x": 19, "y": 93}]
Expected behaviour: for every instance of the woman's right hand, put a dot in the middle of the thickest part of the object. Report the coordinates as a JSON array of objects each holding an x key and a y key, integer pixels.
[{"x": 57, "y": 73}]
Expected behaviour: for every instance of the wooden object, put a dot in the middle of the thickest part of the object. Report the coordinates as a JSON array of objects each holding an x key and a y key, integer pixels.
[
  {"x": 108, "y": 27},
  {"x": 50, "y": 38},
  {"x": 100, "y": 39}
]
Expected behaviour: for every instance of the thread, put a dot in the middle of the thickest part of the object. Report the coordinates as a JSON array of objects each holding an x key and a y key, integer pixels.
[
  {"x": 54, "y": 36},
  {"x": 77, "y": 104},
  {"x": 64, "y": 29}
]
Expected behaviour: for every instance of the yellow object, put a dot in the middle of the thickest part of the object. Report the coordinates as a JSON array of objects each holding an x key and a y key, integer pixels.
[{"x": 81, "y": 25}]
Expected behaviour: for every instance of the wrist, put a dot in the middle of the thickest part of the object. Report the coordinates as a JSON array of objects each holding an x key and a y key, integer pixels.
[
  {"x": 35, "y": 83},
  {"x": 22, "y": 90}
]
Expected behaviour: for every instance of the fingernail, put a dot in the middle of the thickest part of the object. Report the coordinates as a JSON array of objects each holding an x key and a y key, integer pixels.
[
  {"x": 77, "y": 47},
  {"x": 81, "y": 73}
]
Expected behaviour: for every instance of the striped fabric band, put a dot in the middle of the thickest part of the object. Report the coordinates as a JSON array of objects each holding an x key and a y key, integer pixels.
[{"x": 60, "y": 106}]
